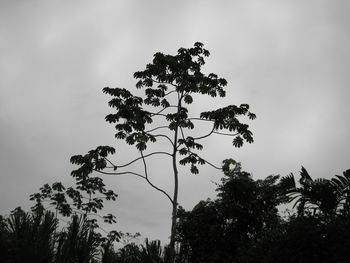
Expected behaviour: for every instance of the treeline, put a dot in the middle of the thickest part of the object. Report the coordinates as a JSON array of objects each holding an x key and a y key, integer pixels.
[{"x": 243, "y": 224}]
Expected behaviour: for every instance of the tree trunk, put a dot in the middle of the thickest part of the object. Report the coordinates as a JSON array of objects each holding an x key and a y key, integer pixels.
[
  {"x": 174, "y": 212},
  {"x": 173, "y": 234}
]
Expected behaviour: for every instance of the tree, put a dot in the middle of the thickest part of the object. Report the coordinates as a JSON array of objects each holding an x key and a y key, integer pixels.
[
  {"x": 216, "y": 230},
  {"x": 27, "y": 237},
  {"x": 170, "y": 83},
  {"x": 326, "y": 196},
  {"x": 80, "y": 241}
]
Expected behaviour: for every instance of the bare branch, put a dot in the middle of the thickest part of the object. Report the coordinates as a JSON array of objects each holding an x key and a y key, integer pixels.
[
  {"x": 121, "y": 173},
  {"x": 150, "y": 183},
  {"x": 165, "y": 136},
  {"x": 139, "y": 158},
  {"x": 160, "y": 127},
  {"x": 200, "y": 119},
  {"x": 212, "y": 165},
  {"x": 166, "y": 94},
  {"x": 113, "y": 165},
  {"x": 158, "y": 113},
  {"x": 226, "y": 134},
  {"x": 182, "y": 133},
  {"x": 207, "y": 135}
]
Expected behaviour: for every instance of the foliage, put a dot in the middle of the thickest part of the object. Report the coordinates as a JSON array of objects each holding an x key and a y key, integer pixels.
[
  {"x": 302, "y": 239},
  {"x": 243, "y": 210},
  {"x": 36, "y": 237},
  {"x": 27, "y": 237},
  {"x": 243, "y": 223},
  {"x": 325, "y": 196},
  {"x": 80, "y": 241}
]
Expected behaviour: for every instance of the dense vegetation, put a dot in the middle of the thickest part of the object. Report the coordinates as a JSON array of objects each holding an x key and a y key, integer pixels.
[{"x": 243, "y": 224}]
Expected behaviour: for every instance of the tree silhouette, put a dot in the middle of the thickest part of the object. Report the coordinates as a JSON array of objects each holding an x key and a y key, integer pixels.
[
  {"x": 170, "y": 83},
  {"x": 320, "y": 195},
  {"x": 215, "y": 230}
]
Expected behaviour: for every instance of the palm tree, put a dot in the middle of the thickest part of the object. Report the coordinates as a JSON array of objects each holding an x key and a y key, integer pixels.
[
  {"x": 79, "y": 243},
  {"x": 342, "y": 185},
  {"x": 320, "y": 195},
  {"x": 30, "y": 237},
  {"x": 152, "y": 252}
]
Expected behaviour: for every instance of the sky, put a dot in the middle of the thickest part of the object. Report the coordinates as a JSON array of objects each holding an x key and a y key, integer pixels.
[{"x": 289, "y": 60}]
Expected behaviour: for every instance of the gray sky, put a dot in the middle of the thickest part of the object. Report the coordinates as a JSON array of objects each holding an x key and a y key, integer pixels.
[{"x": 288, "y": 59}]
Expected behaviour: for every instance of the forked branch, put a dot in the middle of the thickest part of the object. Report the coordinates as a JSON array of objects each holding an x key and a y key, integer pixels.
[
  {"x": 150, "y": 183},
  {"x": 135, "y": 160}
]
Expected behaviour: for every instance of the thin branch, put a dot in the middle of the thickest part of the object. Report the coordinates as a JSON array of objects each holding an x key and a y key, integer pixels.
[
  {"x": 158, "y": 113},
  {"x": 200, "y": 119},
  {"x": 182, "y": 133},
  {"x": 139, "y": 175},
  {"x": 165, "y": 136},
  {"x": 139, "y": 158},
  {"x": 226, "y": 134},
  {"x": 183, "y": 137},
  {"x": 150, "y": 183},
  {"x": 160, "y": 127},
  {"x": 121, "y": 173},
  {"x": 204, "y": 136},
  {"x": 212, "y": 165},
  {"x": 166, "y": 94},
  {"x": 109, "y": 162}
]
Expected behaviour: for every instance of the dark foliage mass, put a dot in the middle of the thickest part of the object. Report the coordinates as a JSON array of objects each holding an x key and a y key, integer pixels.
[{"x": 242, "y": 224}]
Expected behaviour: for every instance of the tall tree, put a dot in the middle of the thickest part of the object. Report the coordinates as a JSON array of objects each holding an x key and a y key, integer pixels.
[{"x": 170, "y": 83}]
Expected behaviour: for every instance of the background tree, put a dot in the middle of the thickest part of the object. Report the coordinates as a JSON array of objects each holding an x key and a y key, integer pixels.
[
  {"x": 26, "y": 237},
  {"x": 170, "y": 82},
  {"x": 325, "y": 196},
  {"x": 216, "y": 230}
]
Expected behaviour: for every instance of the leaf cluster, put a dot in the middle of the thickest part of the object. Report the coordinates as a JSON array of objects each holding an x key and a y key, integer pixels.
[
  {"x": 90, "y": 191},
  {"x": 182, "y": 70}
]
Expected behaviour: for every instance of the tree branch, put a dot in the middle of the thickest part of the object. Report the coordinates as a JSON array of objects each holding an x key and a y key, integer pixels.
[
  {"x": 158, "y": 113},
  {"x": 150, "y": 183},
  {"x": 165, "y": 136},
  {"x": 109, "y": 162},
  {"x": 200, "y": 119},
  {"x": 121, "y": 173},
  {"x": 212, "y": 165},
  {"x": 226, "y": 134},
  {"x": 160, "y": 127},
  {"x": 204, "y": 136},
  {"x": 166, "y": 94},
  {"x": 139, "y": 158}
]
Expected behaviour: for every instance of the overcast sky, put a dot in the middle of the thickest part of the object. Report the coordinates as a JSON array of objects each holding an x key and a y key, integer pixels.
[{"x": 288, "y": 59}]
